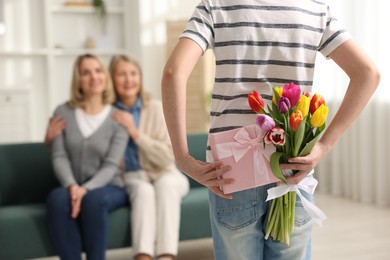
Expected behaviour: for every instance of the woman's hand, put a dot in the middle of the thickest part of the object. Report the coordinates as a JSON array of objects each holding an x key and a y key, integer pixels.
[
  {"x": 77, "y": 194},
  {"x": 54, "y": 129},
  {"x": 207, "y": 174},
  {"x": 126, "y": 119}
]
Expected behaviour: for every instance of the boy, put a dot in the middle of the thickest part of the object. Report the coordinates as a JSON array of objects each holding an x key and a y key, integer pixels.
[{"x": 259, "y": 44}]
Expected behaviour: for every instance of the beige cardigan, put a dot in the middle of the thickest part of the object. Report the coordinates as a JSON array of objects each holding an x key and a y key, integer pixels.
[{"x": 154, "y": 145}]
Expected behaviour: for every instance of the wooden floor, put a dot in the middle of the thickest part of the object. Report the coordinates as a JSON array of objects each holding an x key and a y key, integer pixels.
[{"x": 352, "y": 231}]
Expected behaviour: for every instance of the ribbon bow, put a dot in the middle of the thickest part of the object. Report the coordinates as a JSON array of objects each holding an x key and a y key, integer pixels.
[
  {"x": 246, "y": 139},
  {"x": 306, "y": 184}
]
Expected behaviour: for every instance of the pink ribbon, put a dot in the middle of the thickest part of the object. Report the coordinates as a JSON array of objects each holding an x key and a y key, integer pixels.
[{"x": 249, "y": 138}]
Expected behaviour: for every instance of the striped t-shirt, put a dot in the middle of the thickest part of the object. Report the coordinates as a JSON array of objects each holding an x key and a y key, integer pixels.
[{"x": 260, "y": 44}]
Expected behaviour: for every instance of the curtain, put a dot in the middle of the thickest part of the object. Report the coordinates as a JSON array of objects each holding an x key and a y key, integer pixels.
[{"x": 358, "y": 166}]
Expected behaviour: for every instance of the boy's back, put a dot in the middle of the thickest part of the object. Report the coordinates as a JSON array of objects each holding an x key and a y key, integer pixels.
[{"x": 260, "y": 44}]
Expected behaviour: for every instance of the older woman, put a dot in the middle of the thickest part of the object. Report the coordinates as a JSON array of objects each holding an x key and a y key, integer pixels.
[{"x": 154, "y": 184}]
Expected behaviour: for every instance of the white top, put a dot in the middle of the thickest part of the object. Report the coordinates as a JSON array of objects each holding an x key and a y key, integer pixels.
[{"x": 89, "y": 123}]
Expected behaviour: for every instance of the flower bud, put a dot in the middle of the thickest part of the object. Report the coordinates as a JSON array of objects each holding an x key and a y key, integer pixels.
[
  {"x": 295, "y": 119},
  {"x": 265, "y": 122},
  {"x": 292, "y": 92},
  {"x": 280, "y": 93},
  {"x": 256, "y": 102},
  {"x": 319, "y": 116},
  {"x": 303, "y": 105},
  {"x": 275, "y": 136},
  {"x": 283, "y": 105},
  {"x": 316, "y": 101}
]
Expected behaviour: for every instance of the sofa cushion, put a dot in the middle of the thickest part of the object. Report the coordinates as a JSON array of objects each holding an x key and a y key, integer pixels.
[
  {"x": 30, "y": 220},
  {"x": 197, "y": 144},
  {"x": 26, "y": 173},
  {"x": 195, "y": 220},
  {"x": 23, "y": 232}
]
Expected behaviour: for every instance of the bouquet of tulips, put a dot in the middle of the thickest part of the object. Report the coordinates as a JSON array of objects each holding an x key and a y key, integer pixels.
[{"x": 293, "y": 124}]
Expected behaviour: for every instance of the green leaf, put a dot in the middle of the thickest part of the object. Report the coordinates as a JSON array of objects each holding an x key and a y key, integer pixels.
[
  {"x": 275, "y": 166},
  {"x": 321, "y": 128},
  {"x": 306, "y": 150},
  {"x": 298, "y": 138}
]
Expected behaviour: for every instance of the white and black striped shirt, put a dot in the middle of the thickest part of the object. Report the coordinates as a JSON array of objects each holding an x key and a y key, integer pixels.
[{"x": 260, "y": 44}]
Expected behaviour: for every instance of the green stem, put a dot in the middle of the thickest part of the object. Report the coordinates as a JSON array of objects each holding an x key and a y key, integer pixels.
[
  {"x": 271, "y": 219},
  {"x": 275, "y": 229},
  {"x": 287, "y": 218},
  {"x": 282, "y": 221},
  {"x": 293, "y": 201}
]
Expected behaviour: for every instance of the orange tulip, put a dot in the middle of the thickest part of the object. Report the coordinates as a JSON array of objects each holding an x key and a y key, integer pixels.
[{"x": 295, "y": 119}]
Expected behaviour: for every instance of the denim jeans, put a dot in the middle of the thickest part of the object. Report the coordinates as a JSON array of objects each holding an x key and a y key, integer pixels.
[
  {"x": 89, "y": 232},
  {"x": 238, "y": 227}
]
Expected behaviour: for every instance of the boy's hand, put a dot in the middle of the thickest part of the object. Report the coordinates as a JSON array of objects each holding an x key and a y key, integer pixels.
[
  {"x": 305, "y": 164},
  {"x": 207, "y": 174}
]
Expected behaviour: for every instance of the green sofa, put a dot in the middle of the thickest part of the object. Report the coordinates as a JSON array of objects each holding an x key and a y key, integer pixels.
[{"x": 26, "y": 177}]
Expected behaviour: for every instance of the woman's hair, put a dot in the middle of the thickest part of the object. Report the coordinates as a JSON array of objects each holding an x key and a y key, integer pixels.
[
  {"x": 76, "y": 94},
  {"x": 114, "y": 61}
]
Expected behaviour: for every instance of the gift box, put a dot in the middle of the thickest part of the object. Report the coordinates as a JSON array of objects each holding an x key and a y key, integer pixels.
[{"x": 244, "y": 150}]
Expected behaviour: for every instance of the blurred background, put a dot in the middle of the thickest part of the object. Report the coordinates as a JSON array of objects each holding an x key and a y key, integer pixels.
[{"x": 40, "y": 39}]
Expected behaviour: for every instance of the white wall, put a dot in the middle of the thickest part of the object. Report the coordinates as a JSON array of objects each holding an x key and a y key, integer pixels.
[
  {"x": 32, "y": 69},
  {"x": 153, "y": 15}
]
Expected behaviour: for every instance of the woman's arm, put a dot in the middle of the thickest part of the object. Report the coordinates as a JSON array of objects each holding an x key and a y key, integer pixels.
[
  {"x": 60, "y": 158},
  {"x": 174, "y": 82},
  {"x": 54, "y": 129},
  {"x": 364, "y": 79}
]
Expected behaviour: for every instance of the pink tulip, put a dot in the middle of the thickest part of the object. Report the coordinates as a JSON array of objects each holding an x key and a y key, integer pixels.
[
  {"x": 265, "y": 122},
  {"x": 292, "y": 92}
]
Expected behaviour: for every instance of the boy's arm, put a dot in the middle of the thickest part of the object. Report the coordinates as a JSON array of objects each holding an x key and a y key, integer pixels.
[
  {"x": 364, "y": 79},
  {"x": 174, "y": 82}
]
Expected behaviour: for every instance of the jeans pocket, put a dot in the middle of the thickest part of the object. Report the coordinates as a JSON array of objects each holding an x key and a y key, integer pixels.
[
  {"x": 301, "y": 215},
  {"x": 238, "y": 212}
]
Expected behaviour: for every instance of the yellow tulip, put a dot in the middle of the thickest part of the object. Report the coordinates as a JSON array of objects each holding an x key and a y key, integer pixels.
[
  {"x": 319, "y": 116},
  {"x": 279, "y": 90},
  {"x": 304, "y": 105}
]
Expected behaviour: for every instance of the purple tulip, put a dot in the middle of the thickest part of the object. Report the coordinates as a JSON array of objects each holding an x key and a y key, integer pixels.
[
  {"x": 292, "y": 92},
  {"x": 283, "y": 105},
  {"x": 265, "y": 122}
]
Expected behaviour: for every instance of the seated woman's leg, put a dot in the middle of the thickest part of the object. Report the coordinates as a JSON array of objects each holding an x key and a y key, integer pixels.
[
  {"x": 64, "y": 230},
  {"x": 95, "y": 208},
  {"x": 170, "y": 189},
  {"x": 143, "y": 214}
]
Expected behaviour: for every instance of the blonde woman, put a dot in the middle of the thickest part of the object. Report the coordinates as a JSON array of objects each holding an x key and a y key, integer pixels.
[
  {"x": 85, "y": 157},
  {"x": 154, "y": 184}
]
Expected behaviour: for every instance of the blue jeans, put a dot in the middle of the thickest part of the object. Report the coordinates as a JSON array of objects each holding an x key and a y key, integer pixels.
[
  {"x": 89, "y": 232},
  {"x": 238, "y": 227}
]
